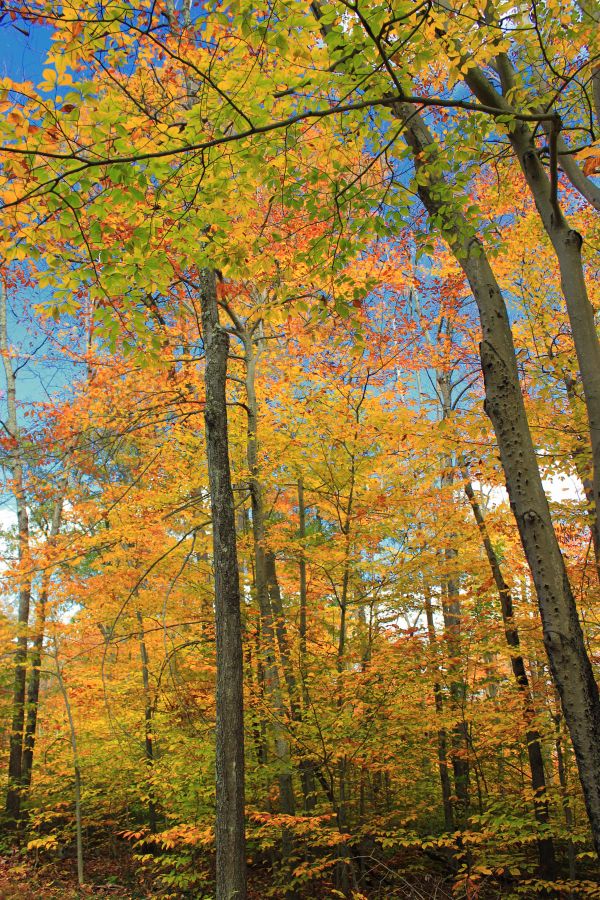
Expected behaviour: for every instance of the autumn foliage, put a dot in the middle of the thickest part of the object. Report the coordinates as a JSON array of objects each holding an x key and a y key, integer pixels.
[{"x": 350, "y": 183}]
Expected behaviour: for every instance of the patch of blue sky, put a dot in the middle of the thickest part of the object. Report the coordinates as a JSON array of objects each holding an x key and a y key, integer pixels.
[{"x": 23, "y": 50}]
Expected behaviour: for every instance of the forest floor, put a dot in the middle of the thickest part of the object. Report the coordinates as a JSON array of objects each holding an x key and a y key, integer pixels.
[
  {"x": 21, "y": 881},
  {"x": 118, "y": 879}
]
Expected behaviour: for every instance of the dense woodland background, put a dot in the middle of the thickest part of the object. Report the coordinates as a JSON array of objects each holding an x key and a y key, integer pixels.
[{"x": 300, "y": 438}]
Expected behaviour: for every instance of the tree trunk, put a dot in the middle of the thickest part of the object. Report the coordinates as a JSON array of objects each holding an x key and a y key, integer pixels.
[
  {"x": 15, "y": 465},
  {"x": 534, "y": 743},
  {"x": 582, "y": 467},
  {"x": 563, "y": 636},
  {"x": 33, "y": 690},
  {"x": 306, "y": 767},
  {"x": 567, "y": 245},
  {"x": 452, "y": 613},
  {"x": 442, "y": 737},
  {"x": 229, "y": 762},
  {"x": 76, "y": 767},
  {"x": 148, "y": 727},
  {"x": 302, "y": 577},
  {"x": 281, "y": 633},
  {"x": 271, "y": 669},
  {"x": 343, "y": 868},
  {"x": 566, "y": 800}
]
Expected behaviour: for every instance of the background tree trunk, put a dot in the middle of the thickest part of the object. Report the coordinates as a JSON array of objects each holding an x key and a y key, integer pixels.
[
  {"x": 14, "y": 463},
  {"x": 534, "y": 742},
  {"x": 33, "y": 688},
  {"x": 563, "y": 637}
]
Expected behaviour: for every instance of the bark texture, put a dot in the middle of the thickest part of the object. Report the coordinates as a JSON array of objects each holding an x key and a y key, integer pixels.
[
  {"x": 33, "y": 687},
  {"x": 229, "y": 823},
  {"x": 442, "y": 737},
  {"x": 14, "y": 463},
  {"x": 563, "y": 636},
  {"x": 535, "y": 755},
  {"x": 148, "y": 723},
  {"x": 452, "y": 613},
  {"x": 567, "y": 244},
  {"x": 263, "y": 595}
]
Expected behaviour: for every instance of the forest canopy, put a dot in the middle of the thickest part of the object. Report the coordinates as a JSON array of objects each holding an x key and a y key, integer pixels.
[{"x": 300, "y": 447}]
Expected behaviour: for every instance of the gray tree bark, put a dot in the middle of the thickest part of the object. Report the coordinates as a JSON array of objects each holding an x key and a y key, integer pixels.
[
  {"x": 535, "y": 756},
  {"x": 33, "y": 688},
  {"x": 148, "y": 722},
  {"x": 563, "y": 637},
  {"x": 15, "y": 465},
  {"x": 306, "y": 767},
  {"x": 268, "y": 625},
  {"x": 452, "y": 613},
  {"x": 442, "y": 737},
  {"x": 229, "y": 821},
  {"x": 76, "y": 766},
  {"x": 567, "y": 245}
]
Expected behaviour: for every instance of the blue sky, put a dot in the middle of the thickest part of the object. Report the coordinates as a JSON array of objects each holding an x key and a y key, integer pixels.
[
  {"x": 23, "y": 52},
  {"x": 22, "y": 56}
]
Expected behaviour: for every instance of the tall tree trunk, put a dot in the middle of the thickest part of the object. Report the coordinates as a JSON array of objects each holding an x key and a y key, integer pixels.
[
  {"x": 343, "y": 869},
  {"x": 567, "y": 245},
  {"x": 76, "y": 766},
  {"x": 302, "y": 578},
  {"x": 148, "y": 726},
  {"x": 33, "y": 688},
  {"x": 582, "y": 467},
  {"x": 15, "y": 464},
  {"x": 534, "y": 742},
  {"x": 563, "y": 636},
  {"x": 229, "y": 823},
  {"x": 268, "y": 632},
  {"x": 306, "y": 767},
  {"x": 285, "y": 653},
  {"x": 452, "y": 613},
  {"x": 566, "y": 800},
  {"x": 341, "y": 649},
  {"x": 442, "y": 737}
]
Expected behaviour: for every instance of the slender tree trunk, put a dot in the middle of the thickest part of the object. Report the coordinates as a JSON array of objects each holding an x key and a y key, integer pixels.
[
  {"x": 534, "y": 742},
  {"x": 343, "y": 868},
  {"x": 76, "y": 766},
  {"x": 582, "y": 467},
  {"x": 15, "y": 465},
  {"x": 282, "y": 635},
  {"x": 302, "y": 577},
  {"x": 148, "y": 725},
  {"x": 306, "y": 767},
  {"x": 566, "y": 800},
  {"x": 229, "y": 823},
  {"x": 268, "y": 629},
  {"x": 33, "y": 689},
  {"x": 13, "y": 796},
  {"x": 442, "y": 738},
  {"x": 341, "y": 649},
  {"x": 563, "y": 636},
  {"x": 452, "y": 613},
  {"x": 257, "y": 721}
]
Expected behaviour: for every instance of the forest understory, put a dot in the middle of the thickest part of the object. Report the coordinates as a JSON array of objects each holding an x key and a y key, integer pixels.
[{"x": 114, "y": 874}]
